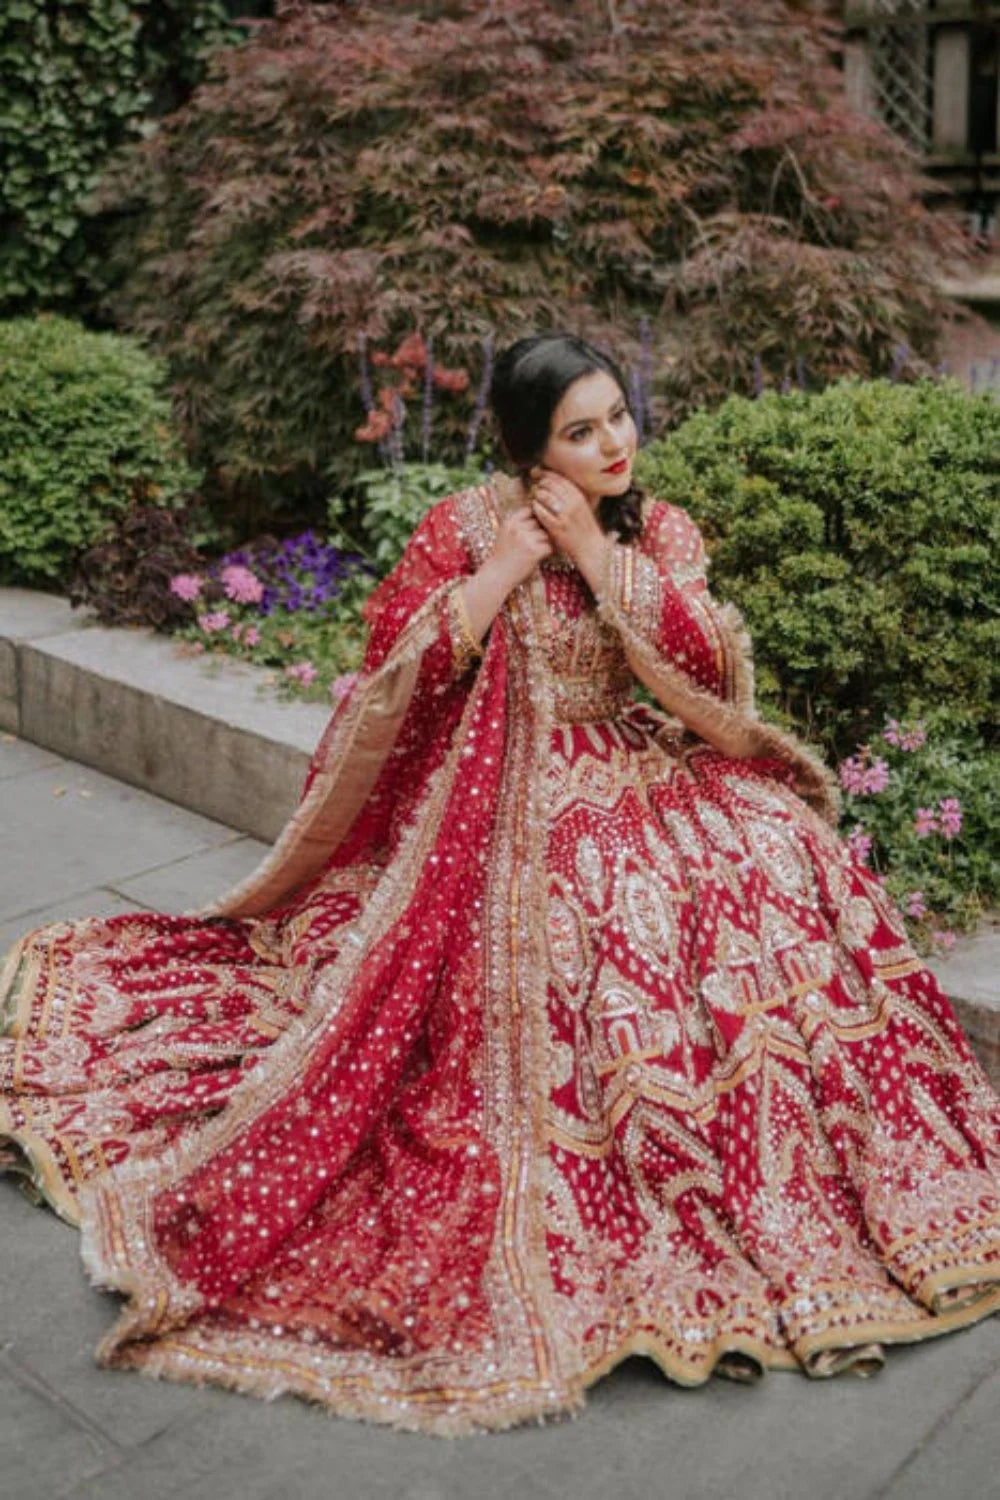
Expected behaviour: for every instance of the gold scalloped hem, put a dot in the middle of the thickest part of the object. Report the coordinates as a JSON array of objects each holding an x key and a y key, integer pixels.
[
  {"x": 441, "y": 1412},
  {"x": 813, "y": 1351},
  {"x": 192, "y": 1358},
  {"x": 28, "y": 1158}
]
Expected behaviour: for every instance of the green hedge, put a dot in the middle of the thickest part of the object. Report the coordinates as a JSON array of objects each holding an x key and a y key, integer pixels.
[
  {"x": 85, "y": 431},
  {"x": 859, "y": 531},
  {"x": 79, "y": 79}
]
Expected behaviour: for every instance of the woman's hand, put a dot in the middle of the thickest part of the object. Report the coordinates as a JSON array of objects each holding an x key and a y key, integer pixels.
[
  {"x": 521, "y": 544},
  {"x": 564, "y": 511}
]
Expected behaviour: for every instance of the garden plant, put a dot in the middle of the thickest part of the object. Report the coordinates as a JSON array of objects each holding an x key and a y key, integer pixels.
[
  {"x": 86, "y": 433},
  {"x": 683, "y": 183}
]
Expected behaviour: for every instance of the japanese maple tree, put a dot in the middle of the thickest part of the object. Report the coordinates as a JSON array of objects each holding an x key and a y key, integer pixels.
[{"x": 461, "y": 169}]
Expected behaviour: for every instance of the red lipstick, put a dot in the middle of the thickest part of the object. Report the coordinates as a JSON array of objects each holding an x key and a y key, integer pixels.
[{"x": 618, "y": 468}]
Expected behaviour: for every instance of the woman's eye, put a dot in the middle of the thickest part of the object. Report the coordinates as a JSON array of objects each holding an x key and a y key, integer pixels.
[{"x": 581, "y": 432}]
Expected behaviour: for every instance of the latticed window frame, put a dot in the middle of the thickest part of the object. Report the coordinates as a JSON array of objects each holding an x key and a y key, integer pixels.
[{"x": 899, "y": 61}]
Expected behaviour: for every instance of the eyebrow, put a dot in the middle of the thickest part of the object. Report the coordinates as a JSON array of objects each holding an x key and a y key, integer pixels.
[{"x": 586, "y": 421}]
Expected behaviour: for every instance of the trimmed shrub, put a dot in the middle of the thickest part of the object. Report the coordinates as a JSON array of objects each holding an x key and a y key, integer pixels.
[
  {"x": 858, "y": 530},
  {"x": 85, "y": 432},
  {"x": 455, "y": 168}
]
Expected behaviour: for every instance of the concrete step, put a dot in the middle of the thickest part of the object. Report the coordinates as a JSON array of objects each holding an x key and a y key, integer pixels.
[
  {"x": 208, "y": 733},
  {"x": 212, "y": 735}
]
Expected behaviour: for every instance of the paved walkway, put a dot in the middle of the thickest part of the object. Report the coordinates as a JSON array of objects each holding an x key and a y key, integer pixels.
[{"x": 76, "y": 842}]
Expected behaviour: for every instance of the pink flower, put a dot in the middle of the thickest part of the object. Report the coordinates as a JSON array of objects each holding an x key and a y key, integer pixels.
[
  {"x": 951, "y": 816},
  {"x": 877, "y": 777},
  {"x": 240, "y": 585},
  {"x": 859, "y": 842},
  {"x": 237, "y": 630},
  {"x": 925, "y": 822},
  {"x": 915, "y": 906},
  {"x": 852, "y": 774},
  {"x": 302, "y": 671},
  {"x": 862, "y": 779},
  {"x": 251, "y": 636},
  {"x": 905, "y": 737},
  {"x": 943, "y": 940},
  {"x": 186, "y": 586},
  {"x": 341, "y": 686},
  {"x": 215, "y": 620}
]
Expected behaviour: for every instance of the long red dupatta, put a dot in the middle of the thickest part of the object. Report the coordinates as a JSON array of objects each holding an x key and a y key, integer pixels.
[{"x": 360, "y": 1224}]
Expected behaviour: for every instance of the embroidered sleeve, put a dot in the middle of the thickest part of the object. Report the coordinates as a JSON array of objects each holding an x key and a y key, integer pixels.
[
  {"x": 465, "y": 648},
  {"x": 632, "y": 589},
  {"x": 656, "y": 591}
]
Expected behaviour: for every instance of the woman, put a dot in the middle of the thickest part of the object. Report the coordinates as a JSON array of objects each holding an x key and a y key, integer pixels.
[{"x": 555, "y": 1028}]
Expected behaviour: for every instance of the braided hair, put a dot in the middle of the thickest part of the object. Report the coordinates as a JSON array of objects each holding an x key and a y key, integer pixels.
[{"x": 529, "y": 380}]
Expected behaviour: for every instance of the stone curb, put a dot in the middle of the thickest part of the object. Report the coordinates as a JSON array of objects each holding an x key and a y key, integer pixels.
[
  {"x": 208, "y": 734},
  {"x": 205, "y": 733}
]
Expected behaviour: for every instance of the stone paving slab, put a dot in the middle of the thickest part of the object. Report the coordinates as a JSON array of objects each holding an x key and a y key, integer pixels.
[
  {"x": 95, "y": 902},
  {"x": 53, "y": 1324},
  {"x": 38, "y": 1432},
  {"x": 67, "y": 828},
  {"x": 192, "y": 882}
]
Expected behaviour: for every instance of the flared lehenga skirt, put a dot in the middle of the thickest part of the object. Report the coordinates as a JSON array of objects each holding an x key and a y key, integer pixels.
[{"x": 762, "y": 1139}]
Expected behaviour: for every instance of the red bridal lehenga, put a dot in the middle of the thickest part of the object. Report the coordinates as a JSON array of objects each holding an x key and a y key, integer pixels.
[{"x": 554, "y": 1029}]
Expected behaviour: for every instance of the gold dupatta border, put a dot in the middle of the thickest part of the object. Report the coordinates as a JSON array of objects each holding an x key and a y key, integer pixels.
[{"x": 366, "y": 730}]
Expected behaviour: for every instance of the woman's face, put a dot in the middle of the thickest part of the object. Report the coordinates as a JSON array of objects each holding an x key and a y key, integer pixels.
[{"x": 592, "y": 440}]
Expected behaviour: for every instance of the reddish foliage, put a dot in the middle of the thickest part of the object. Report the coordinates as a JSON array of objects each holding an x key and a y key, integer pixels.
[{"x": 413, "y": 171}]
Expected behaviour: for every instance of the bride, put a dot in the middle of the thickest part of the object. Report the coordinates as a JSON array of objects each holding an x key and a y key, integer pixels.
[{"x": 555, "y": 1028}]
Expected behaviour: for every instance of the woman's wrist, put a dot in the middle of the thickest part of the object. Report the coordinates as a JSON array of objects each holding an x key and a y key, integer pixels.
[
  {"x": 592, "y": 560},
  {"x": 483, "y": 595}
]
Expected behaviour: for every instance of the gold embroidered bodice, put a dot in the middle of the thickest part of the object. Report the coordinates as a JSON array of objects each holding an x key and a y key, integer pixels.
[{"x": 591, "y": 678}]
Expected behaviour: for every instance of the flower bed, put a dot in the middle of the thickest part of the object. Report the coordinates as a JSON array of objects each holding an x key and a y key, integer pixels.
[
  {"x": 293, "y": 606},
  {"x": 920, "y": 806}
]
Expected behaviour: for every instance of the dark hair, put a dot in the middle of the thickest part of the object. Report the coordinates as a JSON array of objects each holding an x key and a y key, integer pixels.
[{"x": 529, "y": 380}]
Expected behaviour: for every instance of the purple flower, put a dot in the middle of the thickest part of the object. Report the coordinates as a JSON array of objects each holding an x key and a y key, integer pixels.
[
  {"x": 427, "y": 409},
  {"x": 861, "y": 778},
  {"x": 214, "y": 621},
  {"x": 302, "y": 671},
  {"x": 905, "y": 737},
  {"x": 482, "y": 395},
  {"x": 859, "y": 842},
  {"x": 950, "y": 810},
  {"x": 876, "y": 778},
  {"x": 341, "y": 686}
]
